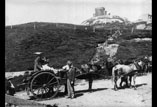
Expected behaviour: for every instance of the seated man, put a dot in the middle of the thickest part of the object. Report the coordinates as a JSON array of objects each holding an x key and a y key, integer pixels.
[{"x": 39, "y": 61}]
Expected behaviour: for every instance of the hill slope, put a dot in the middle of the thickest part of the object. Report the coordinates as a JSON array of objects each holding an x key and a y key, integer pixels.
[
  {"x": 58, "y": 43},
  {"x": 61, "y": 42}
]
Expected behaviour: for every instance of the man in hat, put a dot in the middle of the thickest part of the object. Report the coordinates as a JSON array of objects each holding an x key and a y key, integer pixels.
[
  {"x": 70, "y": 78},
  {"x": 39, "y": 61}
]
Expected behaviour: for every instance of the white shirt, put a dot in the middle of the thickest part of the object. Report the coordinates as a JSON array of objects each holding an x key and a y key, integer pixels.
[
  {"x": 46, "y": 67},
  {"x": 66, "y": 67}
]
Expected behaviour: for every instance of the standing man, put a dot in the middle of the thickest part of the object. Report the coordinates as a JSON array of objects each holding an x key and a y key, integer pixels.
[
  {"x": 39, "y": 61},
  {"x": 70, "y": 78}
]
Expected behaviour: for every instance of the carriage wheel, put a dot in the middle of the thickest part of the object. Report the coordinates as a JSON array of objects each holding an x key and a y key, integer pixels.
[{"x": 44, "y": 85}]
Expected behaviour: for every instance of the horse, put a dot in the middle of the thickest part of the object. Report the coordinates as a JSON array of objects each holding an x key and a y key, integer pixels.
[
  {"x": 124, "y": 71},
  {"x": 149, "y": 66},
  {"x": 144, "y": 65},
  {"x": 86, "y": 68},
  {"x": 109, "y": 65},
  {"x": 148, "y": 61}
]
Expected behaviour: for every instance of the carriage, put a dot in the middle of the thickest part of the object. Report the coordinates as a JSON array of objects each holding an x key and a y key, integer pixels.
[{"x": 45, "y": 84}]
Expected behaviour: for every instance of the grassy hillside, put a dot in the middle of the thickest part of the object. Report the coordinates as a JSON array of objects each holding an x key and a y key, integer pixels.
[
  {"x": 62, "y": 42},
  {"x": 59, "y": 43}
]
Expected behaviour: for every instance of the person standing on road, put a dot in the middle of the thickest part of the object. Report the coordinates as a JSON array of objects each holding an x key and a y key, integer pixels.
[{"x": 70, "y": 78}]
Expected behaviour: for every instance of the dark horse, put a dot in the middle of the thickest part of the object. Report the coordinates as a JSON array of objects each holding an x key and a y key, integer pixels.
[
  {"x": 111, "y": 63},
  {"x": 86, "y": 68},
  {"x": 109, "y": 66}
]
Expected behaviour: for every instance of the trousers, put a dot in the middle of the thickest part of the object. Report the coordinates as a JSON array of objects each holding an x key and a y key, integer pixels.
[{"x": 70, "y": 89}]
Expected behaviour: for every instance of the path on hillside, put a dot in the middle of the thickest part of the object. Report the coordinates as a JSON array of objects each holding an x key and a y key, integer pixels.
[{"x": 104, "y": 95}]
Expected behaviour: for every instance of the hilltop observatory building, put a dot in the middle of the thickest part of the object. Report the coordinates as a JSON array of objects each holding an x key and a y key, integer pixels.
[
  {"x": 100, "y": 17},
  {"x": 100, "y": 11}
]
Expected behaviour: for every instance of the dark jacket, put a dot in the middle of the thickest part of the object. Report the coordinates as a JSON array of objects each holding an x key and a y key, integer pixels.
[
  {"x": 71, "y": 74},
  {"x": 38, "y": 64}
]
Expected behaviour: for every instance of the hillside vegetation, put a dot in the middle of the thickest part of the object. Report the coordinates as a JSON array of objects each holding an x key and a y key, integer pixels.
[{"x": 62, "y": 42}]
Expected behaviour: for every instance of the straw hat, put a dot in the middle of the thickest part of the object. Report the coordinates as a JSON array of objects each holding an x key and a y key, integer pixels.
[{"x": 38, "y": 53}]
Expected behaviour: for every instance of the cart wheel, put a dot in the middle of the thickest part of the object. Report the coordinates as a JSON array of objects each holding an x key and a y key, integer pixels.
[{"x": 44, "y": 85}]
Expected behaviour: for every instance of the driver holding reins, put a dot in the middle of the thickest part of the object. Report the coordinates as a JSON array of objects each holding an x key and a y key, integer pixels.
[{"x": 39, "y": 61}]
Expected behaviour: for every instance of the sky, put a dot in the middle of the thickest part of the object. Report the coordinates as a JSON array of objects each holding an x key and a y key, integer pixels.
[{"x": 71, "y": 11}]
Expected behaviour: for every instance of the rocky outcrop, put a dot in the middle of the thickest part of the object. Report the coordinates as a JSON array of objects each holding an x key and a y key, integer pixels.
[
  {"x": 112, "y": 48},
  {"x": 105, "y": 51}
]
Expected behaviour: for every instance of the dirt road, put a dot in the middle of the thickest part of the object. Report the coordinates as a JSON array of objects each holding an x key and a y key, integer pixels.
[{"x": 103, "y": 95}]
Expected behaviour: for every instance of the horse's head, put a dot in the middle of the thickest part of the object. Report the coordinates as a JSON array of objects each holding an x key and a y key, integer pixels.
[
  {"x": 141, "y": 64},
  {"x": 78, "y": 71},
  {"x": 150, "y": 58},
  {"x": 133, "y": 66},
  {"x": 137, "y": 65},
  {"x": 85, "y": 68}
]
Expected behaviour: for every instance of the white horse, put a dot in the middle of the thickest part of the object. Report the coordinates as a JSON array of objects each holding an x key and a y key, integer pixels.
[{"x": 121, "y": 71}]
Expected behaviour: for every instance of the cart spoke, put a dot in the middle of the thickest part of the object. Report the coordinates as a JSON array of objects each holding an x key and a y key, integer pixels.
[
  {"x": 42, "y": 90},
  {"x": 50, "y": 80},
  {"x": 39, "y": 79},
  {"x": 44, "y": 85},
  {"x": 52, "y": 83}
]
